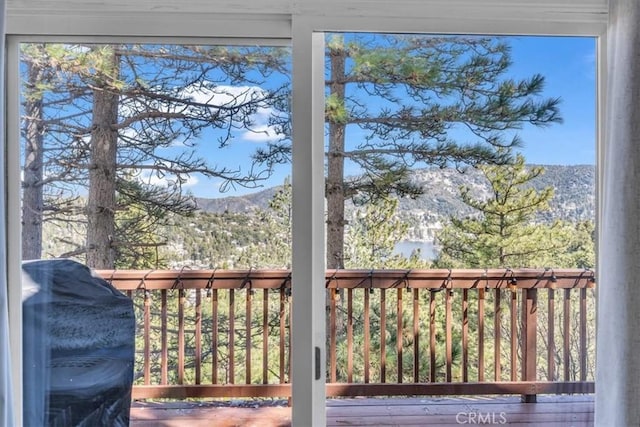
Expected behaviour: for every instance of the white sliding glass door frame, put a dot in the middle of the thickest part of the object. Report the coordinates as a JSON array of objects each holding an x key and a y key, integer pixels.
[
  {"x": 308, "y": 173},
  {"x": 303, "y": 24}
]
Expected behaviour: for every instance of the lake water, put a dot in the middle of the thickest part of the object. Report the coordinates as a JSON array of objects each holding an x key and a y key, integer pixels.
[{"x": 427, "y": 249}]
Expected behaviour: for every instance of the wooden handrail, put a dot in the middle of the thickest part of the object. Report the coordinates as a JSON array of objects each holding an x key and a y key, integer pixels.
[
  {"x": 353, "y": 279},
  {"x": 391, "y": 331}
]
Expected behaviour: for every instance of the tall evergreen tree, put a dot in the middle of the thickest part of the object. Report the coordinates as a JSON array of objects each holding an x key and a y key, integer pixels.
[
  {"x": 132, "y": 104},
  {"x": 504, "y": 232},
  {"x": 45, "y": 189},
  {"x": 392, "y": 102},
  {"x": 32, "y": 201}
]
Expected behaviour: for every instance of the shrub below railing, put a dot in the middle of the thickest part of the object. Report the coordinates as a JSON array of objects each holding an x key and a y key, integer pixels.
[{"x": 222, "y": 333}]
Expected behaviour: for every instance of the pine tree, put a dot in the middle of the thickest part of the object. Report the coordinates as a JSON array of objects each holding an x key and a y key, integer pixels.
[
  {"x": 372, "y": 236},
  {"x": 125, "y": 106},
  {"x": 502, "y": 234},
  {"x": 392, "y": 102},
  {"x": 45, "y": 181}
]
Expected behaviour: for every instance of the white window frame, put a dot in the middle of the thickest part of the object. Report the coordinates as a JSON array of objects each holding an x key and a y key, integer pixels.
[{"x": 303, "y": 22}]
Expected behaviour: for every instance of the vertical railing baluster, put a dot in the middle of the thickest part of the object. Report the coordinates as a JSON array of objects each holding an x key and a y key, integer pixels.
[
  {"x": 289, "y": 348},
  {"x": 513, "y": 311},
  {"x": 198, "y": 337},
  {"x": 448, "y": 323},
  {"x": 247, "y": 351},
  {"x": 481, "y": 292},
  {"x": 551, "y": 340},
  {"x": 432, "y": 336},
  {"x": 265, "y": 336},
  {"x": 367, "y": 338},
  {"x": 232, "y": 336},
  {"x": 349, "y": 335},
  {"x": 383, "y": 336},
  {"x": 497, "y": 334},
  {"x": 583, "y": 334},
  {"x": 333, "y": 362},
  {"x": 416, "y": 336},
  {"x": 465, "y": 335},
  {"x": 181, "y": 300},
  {"x": 281, "y": 338},
  {"x": 529, "y": 336},
  {"x": 214, "y": 336},
  {"x": 399, "y": 334},
  {"x": 147, "y": 337},
  {"x": 567, "y": 333},
  {"x": 164, "y": 357}
]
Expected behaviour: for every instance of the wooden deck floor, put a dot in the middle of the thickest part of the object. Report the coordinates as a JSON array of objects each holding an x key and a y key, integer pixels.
[{"x": 550, "y": 411}]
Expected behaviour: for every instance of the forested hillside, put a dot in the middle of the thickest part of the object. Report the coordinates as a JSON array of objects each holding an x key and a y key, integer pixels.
[
  {"x": 234, "y": 232},
  {"x": 241, "y": 232},
  {"x": 574, "y": 197}
]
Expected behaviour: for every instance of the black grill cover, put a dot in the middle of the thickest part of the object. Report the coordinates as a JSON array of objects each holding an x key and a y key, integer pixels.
[{"x": 78, "y": 347}]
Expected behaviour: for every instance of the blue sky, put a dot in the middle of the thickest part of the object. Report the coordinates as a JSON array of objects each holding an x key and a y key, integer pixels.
[
  {"x": 568, "y": 64},
  {"x": 569, "y": 67}
]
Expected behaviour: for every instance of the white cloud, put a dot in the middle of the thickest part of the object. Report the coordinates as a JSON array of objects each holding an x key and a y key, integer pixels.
[
  {"x": 214, "y": 97},
  {"x": 151, "y": 177},
  {"x": 129, "y": 133},
  {"x": 261, "y": 133},
  {"x": 181, "y": 143},
  {"x": 231, "y": 96},
  {"x": 223, "y": 95}
]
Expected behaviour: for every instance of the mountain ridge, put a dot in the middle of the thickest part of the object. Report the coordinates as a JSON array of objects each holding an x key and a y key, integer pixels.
[{"x": 574, "y": 197}]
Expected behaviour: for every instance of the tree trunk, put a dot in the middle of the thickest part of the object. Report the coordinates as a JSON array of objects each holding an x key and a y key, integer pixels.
[
  {"x": 335, "y": 187},
  {"x": 101, "y": 203},
  {"x": 32, "y": 198}
]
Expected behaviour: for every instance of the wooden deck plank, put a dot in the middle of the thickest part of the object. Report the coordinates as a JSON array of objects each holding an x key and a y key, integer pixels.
[
  {"x": 418, "y": 410},
  {"x": 456, "y": 400},
  {"x": 550, "y": 411},
  {"x": 416, "y": 421}
]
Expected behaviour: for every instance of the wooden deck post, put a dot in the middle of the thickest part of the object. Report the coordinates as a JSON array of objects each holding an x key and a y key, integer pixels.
[{"x": 529, "y": 332}]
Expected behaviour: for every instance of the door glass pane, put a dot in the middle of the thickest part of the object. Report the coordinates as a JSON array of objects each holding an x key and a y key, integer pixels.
[
  {"x": 151, "y": 158},
  {"x": 454, "y": 152}
]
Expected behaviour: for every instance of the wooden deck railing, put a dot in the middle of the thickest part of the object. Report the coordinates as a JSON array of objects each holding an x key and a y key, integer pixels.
[{"x": 223, "y": 333}]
